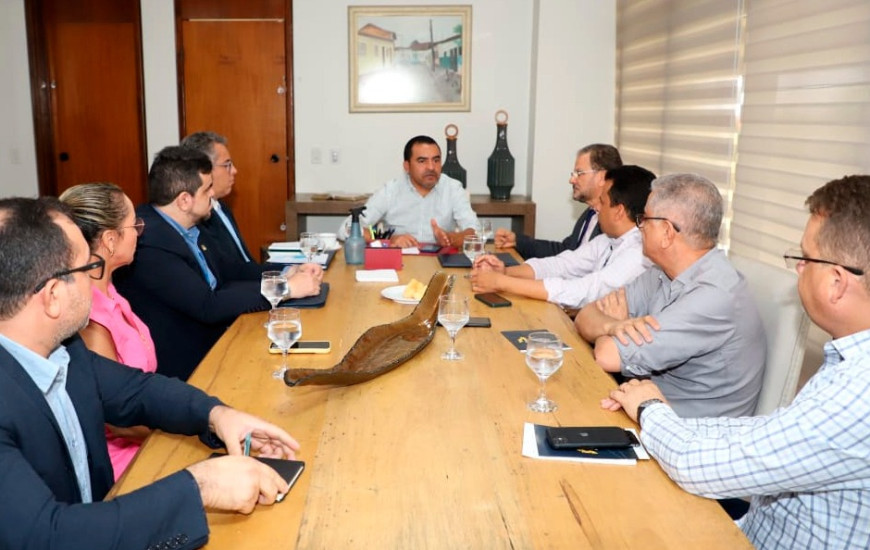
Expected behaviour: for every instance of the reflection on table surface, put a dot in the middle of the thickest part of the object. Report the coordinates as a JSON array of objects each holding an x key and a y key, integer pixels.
[{"x": 429, "y": 454}]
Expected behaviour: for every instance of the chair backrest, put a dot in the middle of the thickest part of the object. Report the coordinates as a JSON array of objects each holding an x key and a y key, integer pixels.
[{"x": 785, "y": 324}]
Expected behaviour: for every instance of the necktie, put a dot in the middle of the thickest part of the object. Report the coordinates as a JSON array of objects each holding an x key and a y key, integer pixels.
[{"x": 587, "y": 217}]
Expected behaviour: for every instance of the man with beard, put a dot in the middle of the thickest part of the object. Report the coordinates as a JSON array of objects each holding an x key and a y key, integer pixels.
[
  {"x": 424, "y": 205},
  {"x": 57, "y": 395}
]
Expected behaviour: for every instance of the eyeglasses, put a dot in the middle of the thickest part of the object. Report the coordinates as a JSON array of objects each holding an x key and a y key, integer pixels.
[
  {"x": 228, "y": 165},
  {"x": 139, "y": 226},
  {"x": 640, "y": 219},
  {"x": 578, "y": 173},
  {"x": 793, "y": 259},
  {"x": 94, "y": 268}
]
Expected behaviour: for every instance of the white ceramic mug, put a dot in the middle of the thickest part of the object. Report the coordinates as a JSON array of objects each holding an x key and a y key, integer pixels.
[{"x": 328, "y": 241}]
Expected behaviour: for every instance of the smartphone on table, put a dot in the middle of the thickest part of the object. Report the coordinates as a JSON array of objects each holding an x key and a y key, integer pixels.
[
  {"x": 593, "y": 437},
  {"x": 493, "y": 300},
  {"x": 483, "y": 322},
  {"x": 305, "y": 346}
]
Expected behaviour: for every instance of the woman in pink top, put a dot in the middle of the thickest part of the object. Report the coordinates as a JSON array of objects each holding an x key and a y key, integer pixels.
[{"x": 107, "y": 219}]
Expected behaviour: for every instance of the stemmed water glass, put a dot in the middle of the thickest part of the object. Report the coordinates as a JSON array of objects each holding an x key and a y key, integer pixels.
[
  {"x": 309, "y": 243},
  {"x": 484, "y": 230},
  {"x": 544, "y": 356},
  {"x": 452, "y": 314},
  {"x": 472, "y": 247},
  {"x": 273, "y": 286},
  {"x": 284, "y": 329}
]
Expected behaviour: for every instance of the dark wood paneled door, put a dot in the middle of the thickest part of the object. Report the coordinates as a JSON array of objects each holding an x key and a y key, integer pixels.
[
  {"x": 234, "y": 79},
  {"x": 86, "y": 74}
]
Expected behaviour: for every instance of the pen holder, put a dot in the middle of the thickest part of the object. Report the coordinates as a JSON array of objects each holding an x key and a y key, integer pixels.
[{"x": 383, "y": 258}]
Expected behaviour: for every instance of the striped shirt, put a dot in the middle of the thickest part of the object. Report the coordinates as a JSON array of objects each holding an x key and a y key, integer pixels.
[{"x": 807, "y": 465}]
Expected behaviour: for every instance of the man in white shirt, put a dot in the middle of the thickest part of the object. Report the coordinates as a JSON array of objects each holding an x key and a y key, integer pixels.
[
  {"x": 576, "y": 277},
  {"x": 424, "y": 205}
]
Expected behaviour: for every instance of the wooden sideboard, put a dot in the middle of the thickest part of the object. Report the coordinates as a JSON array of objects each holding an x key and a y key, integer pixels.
[{"x": 520, "y": 209}]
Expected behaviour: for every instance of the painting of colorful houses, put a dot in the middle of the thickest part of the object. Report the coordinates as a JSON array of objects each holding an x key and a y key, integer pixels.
[{"x": 409, "y": 58}]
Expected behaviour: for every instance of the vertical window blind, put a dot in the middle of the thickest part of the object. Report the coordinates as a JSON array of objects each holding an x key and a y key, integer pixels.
[
  {"x": 805, "y": 117},
  {"x": 679, "y": 86}
]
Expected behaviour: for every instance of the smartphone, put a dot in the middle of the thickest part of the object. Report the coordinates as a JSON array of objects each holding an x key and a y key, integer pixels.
[
  {"x": 599, "y": 437},
  {"x": 304, "y": 346},
  {"x": 483, "y": 322},
  {"x": 430, "y": 248},
  {"x": 493, "y": 300},
  {"x": 290, "y": 470}
]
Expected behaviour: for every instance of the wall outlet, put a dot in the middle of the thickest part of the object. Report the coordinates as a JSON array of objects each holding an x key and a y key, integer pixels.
[
  {"x": 335, "y": 156},
  {"x": 316, "y": 155}
]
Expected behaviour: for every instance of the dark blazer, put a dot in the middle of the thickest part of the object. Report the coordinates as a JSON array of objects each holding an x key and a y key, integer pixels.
[
  {"x": 41, "y": 503},
  {"x": 168, "y": 291},
  {"x": 227, "y": 257},
  {"x": 529, "y": 247}
]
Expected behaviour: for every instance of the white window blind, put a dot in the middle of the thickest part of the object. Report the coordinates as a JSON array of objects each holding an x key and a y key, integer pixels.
[
  {"x": 805, "y": 118},
  {"x": 678, "y": 85}
]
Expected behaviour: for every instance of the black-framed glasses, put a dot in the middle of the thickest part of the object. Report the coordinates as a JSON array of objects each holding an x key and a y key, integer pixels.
[
  {"x": 228, "y": 165},
  {"x": 94, "y": 268},
  {"x": 641, "y": 218},
  {"x": 139, "y": 226},
  {"x": 793, "y": 258},
  {"x": 578, "y": 173}
]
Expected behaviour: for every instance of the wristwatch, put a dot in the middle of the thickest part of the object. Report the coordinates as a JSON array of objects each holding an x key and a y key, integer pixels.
[{"x": 644, "y": 405}]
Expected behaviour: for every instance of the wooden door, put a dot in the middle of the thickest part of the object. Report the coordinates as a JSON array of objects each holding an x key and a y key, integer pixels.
[
  {"x": 235, "y": 82},
  {"x": 86, "y": 73}
]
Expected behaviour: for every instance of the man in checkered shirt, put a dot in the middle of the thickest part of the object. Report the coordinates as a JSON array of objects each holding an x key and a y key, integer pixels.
[{"x": 807, "y": 466}]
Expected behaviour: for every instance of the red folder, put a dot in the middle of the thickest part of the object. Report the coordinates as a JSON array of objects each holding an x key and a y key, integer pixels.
[{"x": 383, "y": 258}]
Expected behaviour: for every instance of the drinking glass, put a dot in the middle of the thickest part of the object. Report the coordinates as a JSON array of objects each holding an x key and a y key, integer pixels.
[
  {"x": 452, "y": 314},
  {"x": 472, "y": 247},
  {"x": 544, "y": 357},
  {"x": 309, "y": 243},
  {"x": 484, "y": 230},
  {"x": 273, "y": 286},
  {"x": 284, "y": 329}
]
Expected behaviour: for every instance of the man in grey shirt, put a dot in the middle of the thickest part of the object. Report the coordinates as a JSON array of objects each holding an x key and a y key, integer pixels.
[
  {"x": 424, "y": 205},
  {"x": 706, "y": 349}
]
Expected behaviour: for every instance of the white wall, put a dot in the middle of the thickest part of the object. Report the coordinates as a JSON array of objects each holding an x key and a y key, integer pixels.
[
  {"x": 540, "y": 61},
  {"x": 18, "y": 175}
]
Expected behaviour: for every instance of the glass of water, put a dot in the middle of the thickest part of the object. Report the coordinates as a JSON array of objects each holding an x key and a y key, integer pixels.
[
  {"x": 484, "y": 230},
  {"x": 453, "y": 315},
  {"x": 472, "y": 247},
  {"x": 284, "y": 329},
  {"x": 310, "y": 244},
  {"x": 544, "y": 356},
  {"x": 273, "y": 286}
]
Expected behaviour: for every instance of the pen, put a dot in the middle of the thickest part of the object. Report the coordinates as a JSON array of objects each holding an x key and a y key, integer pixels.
[
  {"x": 248, "y": 444},
  {"x": 372, "y": 232}
]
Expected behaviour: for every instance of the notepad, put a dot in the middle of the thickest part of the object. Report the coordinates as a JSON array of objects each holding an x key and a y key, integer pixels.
[
  {"x": 535, "y": 446},
  {"x": 377, "y": 276}
]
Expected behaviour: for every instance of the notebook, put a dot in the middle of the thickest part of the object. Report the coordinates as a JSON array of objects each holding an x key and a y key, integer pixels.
[
  {"x": 310, "y": 302},
  {"x": 461, "y": 260}
]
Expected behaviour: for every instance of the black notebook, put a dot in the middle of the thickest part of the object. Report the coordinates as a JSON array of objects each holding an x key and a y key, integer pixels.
[
  {"x": 290, "y": 470},
  {"x": 310, "y": 302},
  {"x": 461, "y": 260}
]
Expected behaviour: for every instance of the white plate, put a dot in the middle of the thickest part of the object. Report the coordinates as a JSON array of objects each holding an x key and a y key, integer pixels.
[{"x": 394, "y": 293}]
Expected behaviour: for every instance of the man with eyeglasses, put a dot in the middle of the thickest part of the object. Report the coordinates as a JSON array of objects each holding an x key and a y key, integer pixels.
[
  {"x": 587, "y": 181},
  {"x": 56, "y": 396},
  {"x": 807, "y": 465},
  {"x": 574, "y": 278},
  {"x": 689, "y": 323},
  {"x": 175, "y": 283}
]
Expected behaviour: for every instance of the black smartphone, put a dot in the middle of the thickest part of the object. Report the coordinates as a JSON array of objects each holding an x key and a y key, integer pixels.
[
  {"x": 598, "y": 437},
  {"x": 290, "y": 470},
  {"x": 483, "y": 322},
  {"x": 430, "y": 248},
  {"x": 493, "y": 300},
  {"x": 304, "y": 346}
]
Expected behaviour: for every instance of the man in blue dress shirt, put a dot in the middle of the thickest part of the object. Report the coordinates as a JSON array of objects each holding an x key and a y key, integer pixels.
[{"x": 807, "y": 466}]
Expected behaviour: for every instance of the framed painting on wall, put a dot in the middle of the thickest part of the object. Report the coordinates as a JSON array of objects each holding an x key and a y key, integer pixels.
[{"x": 409, "y": 58}]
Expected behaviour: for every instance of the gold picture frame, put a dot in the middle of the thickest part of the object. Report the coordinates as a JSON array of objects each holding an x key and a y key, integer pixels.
[{"x": 409, "y": 58}]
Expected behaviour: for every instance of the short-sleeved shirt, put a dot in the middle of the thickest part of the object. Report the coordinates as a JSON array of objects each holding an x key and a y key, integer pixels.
[
  {"x": 708, "y": 358},
  {"x": 402, "y": 207}
]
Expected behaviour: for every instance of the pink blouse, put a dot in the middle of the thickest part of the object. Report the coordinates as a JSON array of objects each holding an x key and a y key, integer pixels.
[{"x": 134, "y": 348}]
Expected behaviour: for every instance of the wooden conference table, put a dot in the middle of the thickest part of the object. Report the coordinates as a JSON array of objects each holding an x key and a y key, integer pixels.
[{"x": 429, "y": 455}]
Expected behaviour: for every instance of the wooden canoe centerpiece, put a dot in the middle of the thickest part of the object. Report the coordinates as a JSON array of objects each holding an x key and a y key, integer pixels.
[{"x": 382, "y": 348}]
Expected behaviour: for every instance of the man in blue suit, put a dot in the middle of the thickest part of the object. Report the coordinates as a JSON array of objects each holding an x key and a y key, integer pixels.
[
  {"x": 587, "y": 182},
  {"x": 177, "y": 283},
  {"x": 56, "y": 396}
]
